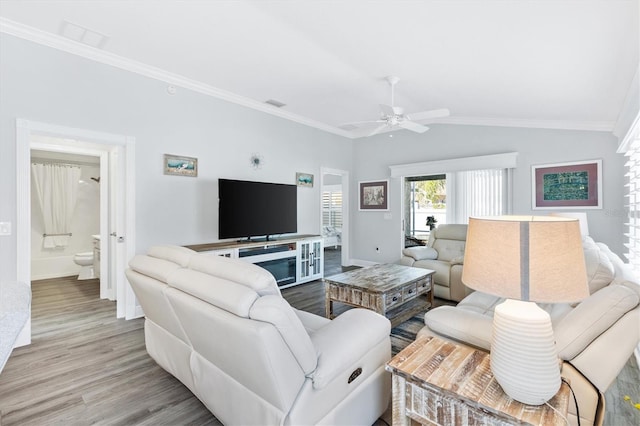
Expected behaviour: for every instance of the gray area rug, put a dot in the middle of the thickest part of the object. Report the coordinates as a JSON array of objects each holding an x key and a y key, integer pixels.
[{"x": 405, "y": 333}]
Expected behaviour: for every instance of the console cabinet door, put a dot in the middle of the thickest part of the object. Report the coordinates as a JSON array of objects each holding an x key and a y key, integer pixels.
[{"x": 310, "y": 260}]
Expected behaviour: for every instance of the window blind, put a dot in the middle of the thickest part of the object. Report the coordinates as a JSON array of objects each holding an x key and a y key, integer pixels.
[
  {"x": 478, "y": 193},
  {"x": 332, "y": 209},
  {"x": 632, "y": 204}
]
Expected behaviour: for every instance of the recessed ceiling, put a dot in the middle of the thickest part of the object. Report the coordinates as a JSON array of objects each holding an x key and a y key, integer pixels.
[{"x": 556, "y": 64}]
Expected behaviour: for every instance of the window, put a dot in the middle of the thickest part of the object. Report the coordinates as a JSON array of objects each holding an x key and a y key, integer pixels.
[
  {"x": 471, "y": 193},
  {"x": 474, "y": 186},
  {"x": 332, "y": 208},
  {"x": 425, "y": 204}
]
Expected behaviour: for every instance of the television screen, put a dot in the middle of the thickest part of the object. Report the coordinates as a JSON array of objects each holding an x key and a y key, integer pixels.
[{"x": 251, "y": 209}]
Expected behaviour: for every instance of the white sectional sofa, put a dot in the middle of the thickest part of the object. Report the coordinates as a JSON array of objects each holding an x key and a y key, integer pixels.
[
  {"x": 223, "y": 329},
  {"x": 594, "y": 338}
]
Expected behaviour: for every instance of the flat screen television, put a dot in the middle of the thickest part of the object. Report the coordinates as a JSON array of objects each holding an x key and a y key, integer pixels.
[{"x": 256, "y": 209}]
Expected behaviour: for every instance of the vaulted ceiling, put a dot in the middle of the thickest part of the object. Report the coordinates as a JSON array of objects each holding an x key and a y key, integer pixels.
[{"x": 546, "y": 63}]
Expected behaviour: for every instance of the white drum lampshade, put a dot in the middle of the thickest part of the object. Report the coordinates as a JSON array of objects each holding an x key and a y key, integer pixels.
[{"x": 525, "y": 259}]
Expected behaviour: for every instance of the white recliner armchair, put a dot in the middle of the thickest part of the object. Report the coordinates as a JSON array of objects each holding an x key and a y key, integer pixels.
[
  {"x": 223, "y": 329},
  {"x": 444, "y": 254}
]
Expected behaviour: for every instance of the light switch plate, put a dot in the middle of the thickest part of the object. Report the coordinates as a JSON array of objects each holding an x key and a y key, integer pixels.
[{"x": 5, "y": 228}]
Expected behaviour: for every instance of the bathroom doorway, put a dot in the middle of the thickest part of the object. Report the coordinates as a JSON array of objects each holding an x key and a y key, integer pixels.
[
  {"x": 117, "y": 214},
  {"x": 65, "y": 234}
]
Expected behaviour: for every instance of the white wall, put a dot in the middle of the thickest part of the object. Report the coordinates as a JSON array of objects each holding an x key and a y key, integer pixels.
[
  {"x": 43, "y": 84},
  {"x": 51, "y": 263},
  {"x": 535, "y": 146}
]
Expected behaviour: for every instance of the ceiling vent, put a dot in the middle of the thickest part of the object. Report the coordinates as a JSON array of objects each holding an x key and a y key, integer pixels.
[
  {"x": 275, "y": 103},
  {"x": 83, "y": 35}
]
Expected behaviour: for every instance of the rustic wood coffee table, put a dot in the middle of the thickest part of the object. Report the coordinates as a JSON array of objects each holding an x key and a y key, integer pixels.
[{"x": 395, "y": 291}]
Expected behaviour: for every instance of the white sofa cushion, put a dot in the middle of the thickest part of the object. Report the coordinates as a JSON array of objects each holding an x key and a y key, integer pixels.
[
  {"x": 256, "y": 278},
  {"x": 449, "y": 249},
  {"x": 474, "y": 327},
  {"x": 600, "y": 271},
  {"x": 275, "y": 310},
  {"x": 153, "y": 267},
  {"x": 591, "y": 318},
  {"x": 217, "y": 291},
  {"x": 175, "y": 254}
]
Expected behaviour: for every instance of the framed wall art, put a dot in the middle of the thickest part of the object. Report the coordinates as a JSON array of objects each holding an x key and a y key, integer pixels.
[
  {"x": 567, "y": 185},
  {"x": 304, "y": 179},
  {"x": 374, "y": 195},
  {"x": 180, "y": 166}
]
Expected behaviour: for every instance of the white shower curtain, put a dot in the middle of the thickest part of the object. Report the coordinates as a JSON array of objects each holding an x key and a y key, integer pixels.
[{"x": 57, "y": 189}]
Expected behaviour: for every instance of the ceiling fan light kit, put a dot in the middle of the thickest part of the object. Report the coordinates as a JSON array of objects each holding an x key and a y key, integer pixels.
[{"x": 392, "y": 116}]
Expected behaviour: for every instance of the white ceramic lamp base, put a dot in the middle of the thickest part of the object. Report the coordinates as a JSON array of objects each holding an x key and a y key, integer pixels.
[{"x": 524, "y": 359}]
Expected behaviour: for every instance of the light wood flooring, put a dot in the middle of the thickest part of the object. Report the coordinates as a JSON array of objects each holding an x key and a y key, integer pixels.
[{"x": 85, "y": 367}]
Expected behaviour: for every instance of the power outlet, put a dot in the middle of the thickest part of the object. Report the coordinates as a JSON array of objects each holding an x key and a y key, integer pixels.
[
  {"x": 378, "y": 250},
  {"x": 5, "y": 228}
]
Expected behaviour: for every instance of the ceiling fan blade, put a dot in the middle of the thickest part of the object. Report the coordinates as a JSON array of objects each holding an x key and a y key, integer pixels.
[
  {"x": 378, "y": 130},
  {"x": 357, "y": 123},
  {"x": 424, "y": 115},
  {"x": 414, "y": 127}
]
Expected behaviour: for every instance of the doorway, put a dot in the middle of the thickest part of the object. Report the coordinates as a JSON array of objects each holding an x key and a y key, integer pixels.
[
  {"x": 334, "y": 211},
  {"x": 67, "y": 230},
  {"x": 117, "y": 231}
]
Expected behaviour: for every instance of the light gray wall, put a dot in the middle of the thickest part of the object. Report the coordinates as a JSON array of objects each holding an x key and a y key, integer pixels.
[
  {"x": 374, "y": 155},
  {"x": 46, "y": 85}
]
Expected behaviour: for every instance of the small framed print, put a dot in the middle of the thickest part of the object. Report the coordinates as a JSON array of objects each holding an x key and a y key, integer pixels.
[
  {"x": 304, "y": 179},
  {"x": 567, "y": 185},
  {"x": 374, "y": 195},
  {"x": 180, "y": 166}
]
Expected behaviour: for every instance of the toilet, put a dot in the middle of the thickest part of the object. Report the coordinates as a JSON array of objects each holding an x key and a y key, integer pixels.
[{"x": 86, "y": 261}]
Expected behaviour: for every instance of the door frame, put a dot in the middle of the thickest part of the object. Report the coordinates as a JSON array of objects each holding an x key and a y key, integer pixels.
[
  {"x": 76, "y": 140},
  {"x": 345, "y": 253}
]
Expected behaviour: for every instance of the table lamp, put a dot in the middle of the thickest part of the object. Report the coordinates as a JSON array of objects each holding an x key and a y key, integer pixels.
[{"x": 525, "y": 259}]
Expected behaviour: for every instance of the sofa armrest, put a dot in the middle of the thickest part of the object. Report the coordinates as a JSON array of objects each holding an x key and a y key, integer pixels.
[
  {"x": 420, "y": 253},
  {"x": 345, "y": 340},
  {"x": 462, "y": 325}
]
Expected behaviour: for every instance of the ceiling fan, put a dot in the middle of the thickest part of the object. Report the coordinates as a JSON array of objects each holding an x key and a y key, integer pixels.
[{"x": 393, "y": 116}]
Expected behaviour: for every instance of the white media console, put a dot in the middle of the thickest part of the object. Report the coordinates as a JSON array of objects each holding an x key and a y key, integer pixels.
[{"x": 292, "y": 260}]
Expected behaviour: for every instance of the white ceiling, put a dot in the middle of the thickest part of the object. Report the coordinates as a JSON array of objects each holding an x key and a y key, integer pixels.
[{"x": 545, "y": 63}]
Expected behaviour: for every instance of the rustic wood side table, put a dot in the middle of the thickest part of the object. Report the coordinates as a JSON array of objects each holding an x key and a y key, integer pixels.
[
  {"x": 437, "y": 382},
  {"x": 396, "y": 291}
]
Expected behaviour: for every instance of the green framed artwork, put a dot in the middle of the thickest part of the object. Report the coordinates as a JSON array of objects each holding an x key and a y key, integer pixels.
[
  {"x": 567, "y": 185},
  {"x": 180, "y": 166}
]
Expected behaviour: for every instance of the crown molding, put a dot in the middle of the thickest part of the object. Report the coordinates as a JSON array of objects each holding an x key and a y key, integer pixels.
[
  {"x": 503, "y": 122},
  {"x": 55, "y": 41},
  {"x": 597, "y": 126}
]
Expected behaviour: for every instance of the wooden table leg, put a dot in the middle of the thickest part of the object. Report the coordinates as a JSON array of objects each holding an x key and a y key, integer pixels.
[{"x": 328, "y": 306}]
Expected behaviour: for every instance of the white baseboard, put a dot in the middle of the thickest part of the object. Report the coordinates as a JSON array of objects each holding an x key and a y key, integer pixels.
[
  {"x": 362, "y": 263},
  {"x": 53, "y": 267}
]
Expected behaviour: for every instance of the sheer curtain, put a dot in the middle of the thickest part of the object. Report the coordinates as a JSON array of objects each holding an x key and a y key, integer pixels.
[
  {"x": 57, "y": 189},
  {"x": 478, "y": 193}
]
